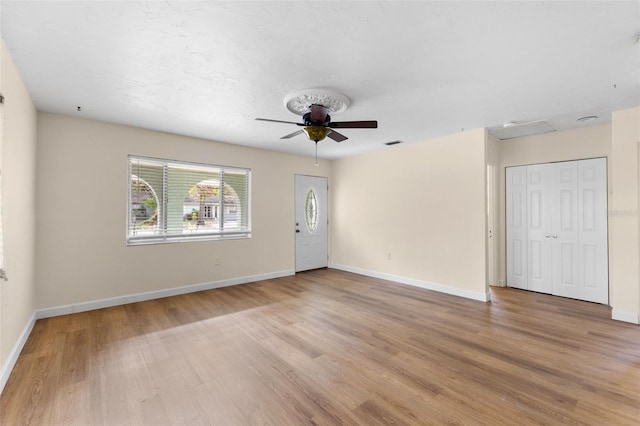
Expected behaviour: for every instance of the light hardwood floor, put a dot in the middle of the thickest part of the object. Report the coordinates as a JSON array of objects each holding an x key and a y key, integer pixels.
[{"x": 329, "y": 347}]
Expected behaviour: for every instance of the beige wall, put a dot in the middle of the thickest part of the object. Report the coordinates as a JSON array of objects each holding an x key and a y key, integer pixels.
[
  {"x": 624, "y": 240},
  {"x": 82, "y": 190},
  {"x": 17, "y": 295},
  {"x": 421, "y": 203},
  {"x": 588, "y": 142}
]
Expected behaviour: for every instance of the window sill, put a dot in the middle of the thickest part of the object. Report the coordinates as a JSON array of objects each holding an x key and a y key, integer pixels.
[{"x": 186, "y": 239}]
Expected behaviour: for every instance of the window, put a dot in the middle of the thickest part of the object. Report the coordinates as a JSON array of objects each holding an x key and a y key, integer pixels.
[{"x": 176, "y": 201}]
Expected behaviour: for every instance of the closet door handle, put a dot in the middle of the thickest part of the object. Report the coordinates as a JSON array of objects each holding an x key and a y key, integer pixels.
[
  {"x": 555, "y": 236},
  {"x": 547, "y": 236}
]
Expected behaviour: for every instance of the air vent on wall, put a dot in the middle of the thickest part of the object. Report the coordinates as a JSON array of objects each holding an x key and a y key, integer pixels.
[{"x": 518, "y": 130}]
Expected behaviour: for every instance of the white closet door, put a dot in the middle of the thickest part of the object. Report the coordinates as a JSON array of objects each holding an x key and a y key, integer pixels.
[
  {"x": 539, "y": 202},
  {"x": 565, "y": 229},
  {"x": 557, "y": 229},
  {"x": 516, "y": 224},
  {"x": 592, "y": 250}
]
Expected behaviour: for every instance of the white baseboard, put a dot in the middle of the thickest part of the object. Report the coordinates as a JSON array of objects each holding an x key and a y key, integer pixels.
[
  {"x": 625, "y": 316},
  {"x": 141, "y": 297},
  {"x": 441, "y": 288},
  {"x": 11, "y": 360}
]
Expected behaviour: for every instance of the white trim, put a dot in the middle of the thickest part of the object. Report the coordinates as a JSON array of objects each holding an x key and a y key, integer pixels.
[
  {"x": 625, "y": 316},
  {"x": 441, "y": 288},
  {"x": 11, "y": 360},
  {"x": 140, "y": 297}
]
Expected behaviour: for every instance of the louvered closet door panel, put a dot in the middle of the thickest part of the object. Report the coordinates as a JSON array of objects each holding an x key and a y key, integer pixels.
[
  {"x": 516, "y": 224},
  {"x": 539, "y": 246},
  {"x": 592, "y": 250},
  {"x": 565, "y": 229}
]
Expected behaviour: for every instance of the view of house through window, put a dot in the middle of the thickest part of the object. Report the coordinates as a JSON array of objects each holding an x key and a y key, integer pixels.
[{"x": 174, "y": 200}]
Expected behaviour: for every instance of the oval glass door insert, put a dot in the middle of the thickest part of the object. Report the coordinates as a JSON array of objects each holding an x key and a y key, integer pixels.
[{"x": 311, "y": 211}]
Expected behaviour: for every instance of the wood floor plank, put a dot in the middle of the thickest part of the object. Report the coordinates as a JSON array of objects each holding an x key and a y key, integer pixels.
[{"x": 327, "y": 348}]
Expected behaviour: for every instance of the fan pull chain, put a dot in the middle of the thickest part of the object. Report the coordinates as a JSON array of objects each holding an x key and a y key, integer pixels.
[{"x": 316, "y": 153}]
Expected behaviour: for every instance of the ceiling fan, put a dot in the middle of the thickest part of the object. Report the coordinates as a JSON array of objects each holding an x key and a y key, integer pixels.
[{"x": 317, "y": 125}]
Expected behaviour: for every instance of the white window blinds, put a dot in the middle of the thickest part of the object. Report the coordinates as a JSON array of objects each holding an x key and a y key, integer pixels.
[{"x": 170, "y": 200}]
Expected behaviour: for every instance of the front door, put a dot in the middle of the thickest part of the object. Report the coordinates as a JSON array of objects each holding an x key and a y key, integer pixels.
[{"x": 311, "y": 225}]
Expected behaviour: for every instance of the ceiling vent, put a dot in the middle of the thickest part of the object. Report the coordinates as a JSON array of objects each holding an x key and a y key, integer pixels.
[{"x": 513, "y": 130}]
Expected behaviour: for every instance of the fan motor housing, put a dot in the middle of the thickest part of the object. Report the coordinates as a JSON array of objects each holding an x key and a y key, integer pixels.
[{"x": 308, "y": 122}]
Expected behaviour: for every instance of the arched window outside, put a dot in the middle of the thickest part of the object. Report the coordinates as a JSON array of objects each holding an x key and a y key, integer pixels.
[{"x": 143, "y": 206}]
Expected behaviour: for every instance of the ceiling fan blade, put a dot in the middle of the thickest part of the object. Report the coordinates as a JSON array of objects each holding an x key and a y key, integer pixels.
[
  {"x": 318, "y": 113},
  {"x": 290, "y": 135},
  {"x": 279, "y": 121},
  {"x": 338, "y": 137},
  {"x": 369, "y": 124}
]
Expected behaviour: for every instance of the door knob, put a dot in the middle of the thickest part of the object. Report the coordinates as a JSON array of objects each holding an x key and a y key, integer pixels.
[{"x": 297, "y": 231}]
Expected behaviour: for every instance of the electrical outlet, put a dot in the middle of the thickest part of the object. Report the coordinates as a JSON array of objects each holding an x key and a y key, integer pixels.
[
  {"x": 217, "y": 261},
  {"x": 388, "y": 255}
]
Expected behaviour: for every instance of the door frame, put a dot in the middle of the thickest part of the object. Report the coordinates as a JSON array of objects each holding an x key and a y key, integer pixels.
[{"x": 492, "y": 245}]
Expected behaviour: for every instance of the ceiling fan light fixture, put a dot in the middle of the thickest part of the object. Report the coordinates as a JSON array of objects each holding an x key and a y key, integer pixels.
[{"x": 316, "y": 133}]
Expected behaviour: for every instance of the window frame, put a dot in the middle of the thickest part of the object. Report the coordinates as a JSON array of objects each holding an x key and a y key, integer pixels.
[{"x": 163, "y": 234}]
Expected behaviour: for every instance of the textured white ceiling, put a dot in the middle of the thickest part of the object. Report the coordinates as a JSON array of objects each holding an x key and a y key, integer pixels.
[{"x": 422, "y": 69}]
